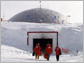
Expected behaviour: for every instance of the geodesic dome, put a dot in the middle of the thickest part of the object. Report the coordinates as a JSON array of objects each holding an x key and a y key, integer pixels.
[{"x": 39, "y": 15}]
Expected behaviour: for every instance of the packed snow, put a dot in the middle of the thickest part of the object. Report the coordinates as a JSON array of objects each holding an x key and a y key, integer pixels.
[{"x": 14, "y": 46}]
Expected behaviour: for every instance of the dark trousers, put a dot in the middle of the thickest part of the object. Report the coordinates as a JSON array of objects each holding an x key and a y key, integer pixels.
[
  {"x": 57, "y": 57},
  {"x": 48, "y": 56},
  {"x": 36, "y": 56}
]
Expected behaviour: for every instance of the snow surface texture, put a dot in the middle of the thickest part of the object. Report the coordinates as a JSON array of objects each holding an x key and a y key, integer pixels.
[{"x": 14, "y": 41}]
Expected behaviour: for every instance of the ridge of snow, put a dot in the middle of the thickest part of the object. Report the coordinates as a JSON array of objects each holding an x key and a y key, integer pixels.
[{"x": 14, "y": 38}]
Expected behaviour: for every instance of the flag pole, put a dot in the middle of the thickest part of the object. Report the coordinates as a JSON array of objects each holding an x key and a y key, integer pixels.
[{"x": 40, "y": 4}]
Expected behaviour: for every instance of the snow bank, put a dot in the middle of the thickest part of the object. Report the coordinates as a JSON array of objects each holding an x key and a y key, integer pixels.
[
  {"x": 15, "y": 34},
  {"x": 14, "y": 41}
]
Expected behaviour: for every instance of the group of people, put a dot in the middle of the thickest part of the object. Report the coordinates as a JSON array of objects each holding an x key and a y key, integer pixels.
[{"x": 48, "y": 51}]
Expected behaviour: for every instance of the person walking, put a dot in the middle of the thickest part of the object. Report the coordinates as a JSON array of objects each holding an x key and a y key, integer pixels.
[
  {"x": 48, "y": 51},
  {"x": 37, "y": 51},
  {"x": 58, "y": 52}
]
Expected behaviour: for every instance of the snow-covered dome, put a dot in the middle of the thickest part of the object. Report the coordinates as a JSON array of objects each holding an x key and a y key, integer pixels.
[{"x": 39, "y": 15}]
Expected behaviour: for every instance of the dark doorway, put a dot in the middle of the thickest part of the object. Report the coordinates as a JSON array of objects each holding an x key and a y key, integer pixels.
[{"x": 43, "y": 43}]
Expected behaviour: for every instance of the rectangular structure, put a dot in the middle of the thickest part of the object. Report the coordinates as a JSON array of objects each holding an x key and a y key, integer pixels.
[{"x": 42, "y": 37}]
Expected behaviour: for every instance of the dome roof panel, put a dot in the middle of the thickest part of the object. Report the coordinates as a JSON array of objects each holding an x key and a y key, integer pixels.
[{"x": 35, "y": 15}]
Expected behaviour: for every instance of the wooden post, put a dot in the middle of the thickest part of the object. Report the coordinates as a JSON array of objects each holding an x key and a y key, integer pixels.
[
  {"x": 57, "y": 38},
  {"x": 27, "y": 38}
]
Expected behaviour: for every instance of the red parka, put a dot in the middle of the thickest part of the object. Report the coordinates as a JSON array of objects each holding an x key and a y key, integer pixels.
[
  {"x": 57, "y": 49},
  {"x": 37, "y": 49},
  {"x": 48, "y": 49}
]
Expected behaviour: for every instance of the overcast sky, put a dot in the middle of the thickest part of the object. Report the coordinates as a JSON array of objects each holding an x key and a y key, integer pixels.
[{"x": 73, "y": 8}]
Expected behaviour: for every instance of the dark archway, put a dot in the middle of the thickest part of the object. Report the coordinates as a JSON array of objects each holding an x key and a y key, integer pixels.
[{"x": 43, "y": 43}]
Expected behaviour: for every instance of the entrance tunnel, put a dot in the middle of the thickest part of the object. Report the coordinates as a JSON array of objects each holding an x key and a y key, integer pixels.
[{"x": 43, "y": 43}]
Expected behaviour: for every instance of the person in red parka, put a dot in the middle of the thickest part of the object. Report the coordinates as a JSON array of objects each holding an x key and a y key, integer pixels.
[
  {"x": 37, "y": 49},
  {"x": 57, "y": 50},
  {"x": 48, "y": 51}
]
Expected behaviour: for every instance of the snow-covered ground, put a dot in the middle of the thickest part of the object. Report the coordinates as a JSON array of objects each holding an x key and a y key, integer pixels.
[
  {"x": 14, "y": 41},
  {"x": 12, "y": 54}
]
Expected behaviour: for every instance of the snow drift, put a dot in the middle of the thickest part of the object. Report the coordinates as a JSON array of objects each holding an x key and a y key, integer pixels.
[{"x": 14, "y": 34}]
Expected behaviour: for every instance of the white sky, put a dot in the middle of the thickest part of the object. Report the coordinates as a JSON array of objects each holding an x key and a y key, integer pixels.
[{"x": 73, "y": 8}]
